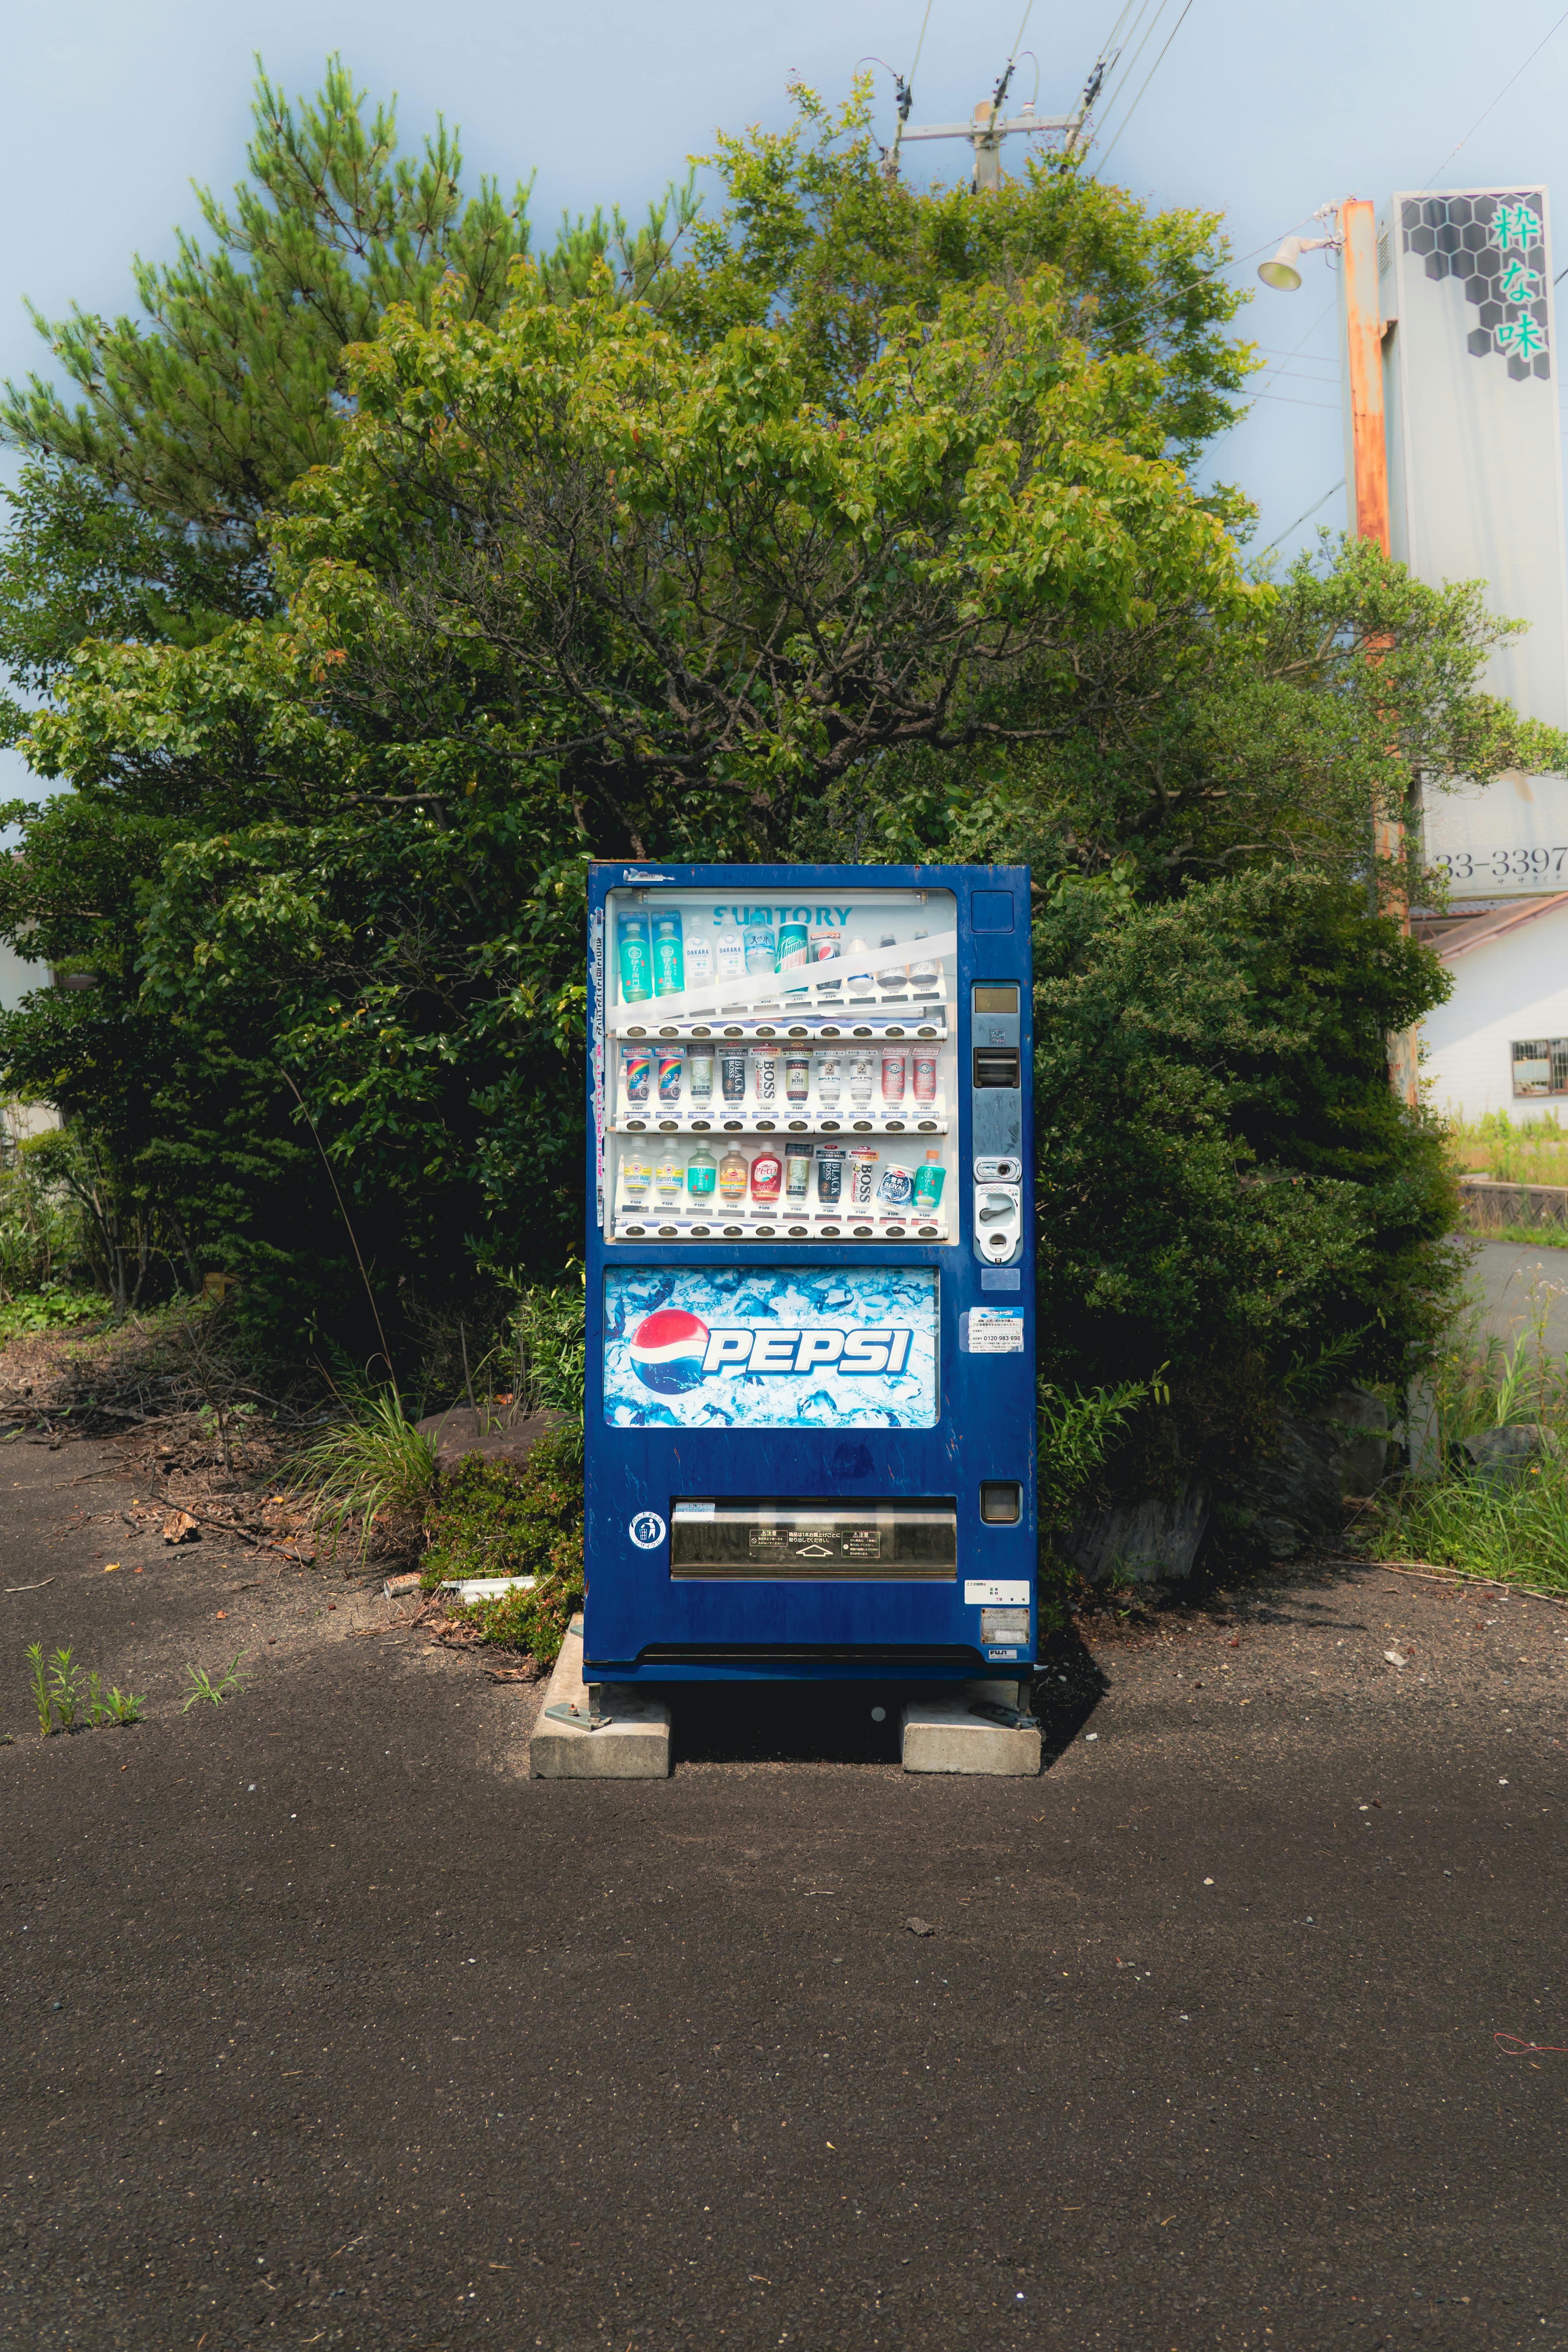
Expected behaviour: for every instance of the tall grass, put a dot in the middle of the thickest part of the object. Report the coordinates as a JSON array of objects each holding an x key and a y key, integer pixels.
[
  {"x": 1516, "y": 1533},
  {"x": 371, "y": 1466},
  {"x": 1523, "y": 1152}
]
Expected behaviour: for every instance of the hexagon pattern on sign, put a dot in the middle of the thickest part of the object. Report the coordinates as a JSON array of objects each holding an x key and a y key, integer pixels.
[{"x": 1496, "y": 247}]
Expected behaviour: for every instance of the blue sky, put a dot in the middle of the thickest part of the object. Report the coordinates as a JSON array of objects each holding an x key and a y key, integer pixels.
[{"x": 1260, "y": 113}]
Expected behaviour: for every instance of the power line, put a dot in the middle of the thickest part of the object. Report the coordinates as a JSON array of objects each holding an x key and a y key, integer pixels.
[
  {"x": 1287, "y": 400},
  {"x": 1496, "y": 101},
  {"x": 1132, "y": 65},
  {"x": 1300, "y": 518},
  {"x": 925, "y": 20},
  {"x": 1148, "y": 78}
]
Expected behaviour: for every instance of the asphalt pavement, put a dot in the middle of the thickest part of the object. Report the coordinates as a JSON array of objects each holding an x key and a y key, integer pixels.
[
  {"x": 1521, "y": 1292},
  {"x": 324, "y": 2026}
]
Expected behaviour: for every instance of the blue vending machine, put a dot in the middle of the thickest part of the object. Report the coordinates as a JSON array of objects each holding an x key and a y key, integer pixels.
[{"x": 810, "y": 1407}]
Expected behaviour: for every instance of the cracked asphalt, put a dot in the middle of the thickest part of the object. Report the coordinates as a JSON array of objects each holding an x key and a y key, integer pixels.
[{"x": 324, "y": 2026}]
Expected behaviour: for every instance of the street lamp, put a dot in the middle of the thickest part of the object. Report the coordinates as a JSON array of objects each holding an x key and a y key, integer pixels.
[{"x": 1282, "y": 273}]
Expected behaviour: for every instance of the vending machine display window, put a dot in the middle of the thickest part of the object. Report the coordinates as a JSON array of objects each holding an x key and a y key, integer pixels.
[{"x": 780, "y": 1070}]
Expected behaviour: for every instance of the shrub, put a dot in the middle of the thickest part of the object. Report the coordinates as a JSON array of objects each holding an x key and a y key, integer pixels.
[
  {"x": 488, "y": 1519},
  {"x": 1230, "y": 1193}
]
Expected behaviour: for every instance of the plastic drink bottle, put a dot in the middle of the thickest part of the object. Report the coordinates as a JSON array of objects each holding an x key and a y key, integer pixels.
[
  {"x": 670, "y": 1177},
  {"x": 929, "y": 1182},
  {"x": 734, "y": 1174},
  {"x": 700, "y": 1062},
  {"x": 797, "y": 1171},
  {"x": 669, "y": 960},
  {"x": 891, "y": 976},
  {"x": 829, "y": 1081},
  {"x": 924, "y": 1066},
  {"x": 767, "y": 1175},
  {"x": 797, "y": 1075},
  {"x": 760, "y": 952},
  {"x": 860, "y": 982},
  {"x": 829, "y": 1174},
  {"x": 636, "y": 1175},
  {"x": 699, "y": 960},
  {"x": 671, "y": 1063},
  {"x": 701, "y": 1175},
  {"x": 636, "y": 957},
  {"x": 895, "y": 1064},
  {"x": 729, "y": 955},
  {"x": 636, "y": 1073},
  {"x": 925, "y": 972}
]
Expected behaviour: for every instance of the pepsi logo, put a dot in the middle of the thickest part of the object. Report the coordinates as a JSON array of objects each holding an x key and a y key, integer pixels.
[
  {"x": 668, "y": 1348},
  {"x": 673, "y": 1350}
]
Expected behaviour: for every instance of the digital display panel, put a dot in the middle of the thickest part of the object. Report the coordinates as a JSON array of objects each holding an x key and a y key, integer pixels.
[
  {"x": 771, "y": 1348},
  {"x": 995, "y": 1000}
]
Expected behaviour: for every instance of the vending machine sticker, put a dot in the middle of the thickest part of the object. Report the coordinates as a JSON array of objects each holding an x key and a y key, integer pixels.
[
  {"x": 991, "y": 1331},
  {"x": 771, "y": 1348}
]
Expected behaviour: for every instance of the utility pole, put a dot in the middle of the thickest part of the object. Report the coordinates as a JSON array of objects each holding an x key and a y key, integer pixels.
[
  {"x": 1366, "y": 473},
  {"x": 990, "y": 123},
  {"x": 1366, "y": 479}
]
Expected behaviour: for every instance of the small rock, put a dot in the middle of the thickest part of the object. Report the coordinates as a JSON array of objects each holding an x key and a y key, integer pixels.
[
  {"x": 1504, "y": 1456},
  {"x": 919, "y": 1926},
  {"x": 1396, "y": 1658}
]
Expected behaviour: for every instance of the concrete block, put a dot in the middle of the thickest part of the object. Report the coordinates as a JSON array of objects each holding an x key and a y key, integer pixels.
[
  {"x": 632, "y": 1746},
  {"x": 942, "y": 1735},
  {"x": 469, "y": 1589}
]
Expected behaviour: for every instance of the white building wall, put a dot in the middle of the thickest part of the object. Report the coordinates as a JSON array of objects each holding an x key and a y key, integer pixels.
[
  {"x": 17, "y": 977},
  {"x": 1515, "y": 986},
  {"x": 18, "y": 1120}
]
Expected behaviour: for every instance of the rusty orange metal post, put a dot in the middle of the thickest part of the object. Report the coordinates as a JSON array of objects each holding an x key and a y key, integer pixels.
[
  {"x": 1364, "y": 349},
  {"x": 1368, "y": 481}
]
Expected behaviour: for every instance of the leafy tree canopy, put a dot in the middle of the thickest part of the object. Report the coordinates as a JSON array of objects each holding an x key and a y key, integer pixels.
[
  {"x": 813, "y": 226},
  {"x": 142, "y": 511}
]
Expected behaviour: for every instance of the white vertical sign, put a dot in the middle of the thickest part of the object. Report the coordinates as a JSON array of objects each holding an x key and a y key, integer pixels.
[{"x": 1475, "y": 482}]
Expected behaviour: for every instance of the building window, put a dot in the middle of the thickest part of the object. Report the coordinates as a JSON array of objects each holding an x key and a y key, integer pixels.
[{"x": 1539, "y": 1066}]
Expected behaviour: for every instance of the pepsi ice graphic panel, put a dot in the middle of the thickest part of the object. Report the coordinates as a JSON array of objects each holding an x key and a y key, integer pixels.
[{"x": 853, "y": 1348}]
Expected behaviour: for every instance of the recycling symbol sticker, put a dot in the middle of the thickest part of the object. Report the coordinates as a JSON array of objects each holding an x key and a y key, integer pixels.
[{"x": 648, "y": 1531}]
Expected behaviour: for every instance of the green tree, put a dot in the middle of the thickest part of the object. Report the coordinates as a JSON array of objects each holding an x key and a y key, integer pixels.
[
  {"x": 142, "y": 511},
  {"x": 816, "y": 229}
]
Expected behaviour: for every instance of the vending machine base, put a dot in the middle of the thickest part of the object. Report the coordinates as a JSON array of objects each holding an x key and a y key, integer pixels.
[
  {"x": 605, "y": 1733},
  {"x": 981, "y": 1730},
  {"x": 616, "y": 1732}
]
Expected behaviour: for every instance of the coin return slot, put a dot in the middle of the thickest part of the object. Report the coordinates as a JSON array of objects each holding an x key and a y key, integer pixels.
[{"x": 1001, "y": 1502}]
